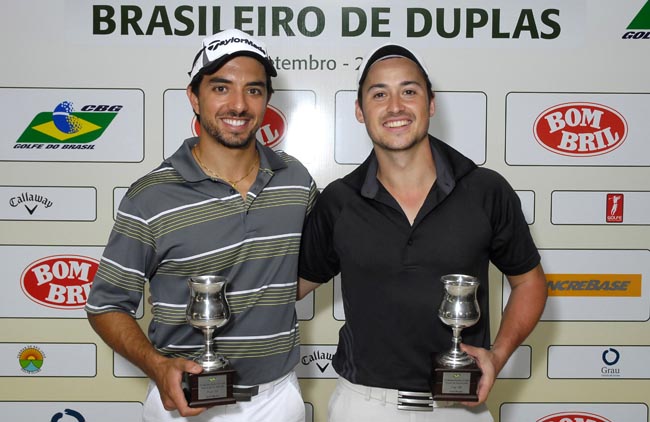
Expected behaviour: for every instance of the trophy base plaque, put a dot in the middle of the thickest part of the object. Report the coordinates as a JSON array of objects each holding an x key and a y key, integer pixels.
[
  {"x": 455, "y": 384},
  {"x": 213, "y": 388}
]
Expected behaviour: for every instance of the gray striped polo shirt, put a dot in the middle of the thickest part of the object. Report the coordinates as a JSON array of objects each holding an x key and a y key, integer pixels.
[{"x": 176, "y": 222}]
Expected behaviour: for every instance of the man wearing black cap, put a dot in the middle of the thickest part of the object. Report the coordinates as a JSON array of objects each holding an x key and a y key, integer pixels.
[
  {"x": 414, "y": 211},
  {"x": 226, "y": 205}
]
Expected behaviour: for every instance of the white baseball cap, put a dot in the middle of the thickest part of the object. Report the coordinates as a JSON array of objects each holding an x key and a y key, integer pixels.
[{"x": 223, "y": 46}]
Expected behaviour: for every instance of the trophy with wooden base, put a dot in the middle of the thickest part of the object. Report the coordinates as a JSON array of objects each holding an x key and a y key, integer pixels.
[
  {"x": 208, "y": 310},
  {"x": 455, "y": 373}
]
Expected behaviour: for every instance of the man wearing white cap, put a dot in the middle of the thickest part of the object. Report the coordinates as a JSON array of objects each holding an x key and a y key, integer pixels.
[
  {"x": 414, "y": 211},
  {"x": 226, "y": 205}
]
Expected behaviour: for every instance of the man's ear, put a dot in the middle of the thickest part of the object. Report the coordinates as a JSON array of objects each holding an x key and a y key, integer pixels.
[
  {"x": 358, "y": 112},
  {"x": 194, "y": 100}
]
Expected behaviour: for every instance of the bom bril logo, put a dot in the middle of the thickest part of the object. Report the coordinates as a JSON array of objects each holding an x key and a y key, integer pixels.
[
  {"x": 573, "y": 417},
  {"x": 59, "y": 281},
  {"x": 580, "y": 129}
]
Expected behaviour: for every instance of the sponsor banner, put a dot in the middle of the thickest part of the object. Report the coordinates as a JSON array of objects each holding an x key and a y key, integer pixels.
[
  {"x": 83, "y": 125},
  {"x": 519, "y": 364},
  {"x": 48, "y": 360},
  {"x": 573, "y": 412},
  {"x": 316, "y": 361},
  {"x": 122, "y": 368},
  {"x": 338, "y": 311},
  {"x": 451, "y": 23},
  {"x": 577, "y": 129},
  {"x": 40, "y": 203},
  {"x": 47, "y": 281},
  {"x": 309, "y": 412},
  {"x": 600, "y": 207},
  {"x": 305, "y": 307},
  {"x": 527, "y": 198},
  {"x": 118, "y": 194},
  {"x": 599, "y": 362},
  {"x": 460, "y": 121},
  {"x": 595, "y": 285},
  {"x": 290, "y": 123},
  {"x": 61, "y": 411}
]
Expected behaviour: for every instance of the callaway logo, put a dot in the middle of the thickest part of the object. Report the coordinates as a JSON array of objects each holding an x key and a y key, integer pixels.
[
  {"x": 25, "y": 197},
  {"x": 317, "y": 356}
]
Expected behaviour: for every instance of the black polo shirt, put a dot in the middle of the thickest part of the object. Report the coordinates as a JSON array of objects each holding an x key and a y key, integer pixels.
[{"x": 390, "y": 270}]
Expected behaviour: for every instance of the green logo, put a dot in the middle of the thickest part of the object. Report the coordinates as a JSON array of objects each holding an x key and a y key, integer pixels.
[
  {"x": 642, "y": 19},
  {"x": 66, "y": 126}
]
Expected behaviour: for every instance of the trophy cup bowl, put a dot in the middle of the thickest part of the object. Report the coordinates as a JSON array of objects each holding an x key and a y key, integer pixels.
[
  {"x": 455, "y": 374},
  {"x": 207, "y": 309}
]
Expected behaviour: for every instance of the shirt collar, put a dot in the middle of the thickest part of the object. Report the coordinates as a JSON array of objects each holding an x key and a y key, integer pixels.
[
  {"x": 444, "y": 172},
  {"x": 183, "y": 161}
]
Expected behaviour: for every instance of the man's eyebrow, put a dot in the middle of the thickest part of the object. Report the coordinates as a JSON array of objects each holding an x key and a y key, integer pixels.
[
  {"x": 403, "y": 83},
  {"x": 219, "y": 80}
]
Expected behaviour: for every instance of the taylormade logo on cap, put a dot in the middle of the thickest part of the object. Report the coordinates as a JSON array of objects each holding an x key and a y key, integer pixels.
[
  {"x": 217, "y": 43},
  {"x": 219, "y": 48}
]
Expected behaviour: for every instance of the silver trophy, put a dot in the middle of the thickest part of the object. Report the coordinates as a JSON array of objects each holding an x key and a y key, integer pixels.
[
  {"x": 208, "y": 310},
  {"x": 456, "y": 374}
]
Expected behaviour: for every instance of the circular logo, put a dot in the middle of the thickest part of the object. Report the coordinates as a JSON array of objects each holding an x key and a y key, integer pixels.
[
  {"x": 63, "y": 120},
  {"x": 58, "y": 417},
  {"x": 31, "y": 359},
  {"x": 611, "y": 356}
]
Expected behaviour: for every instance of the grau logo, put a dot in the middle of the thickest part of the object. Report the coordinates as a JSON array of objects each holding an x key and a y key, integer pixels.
[
  {"x": 611, "y": 356},
  {"x": 59, "y": 416}
]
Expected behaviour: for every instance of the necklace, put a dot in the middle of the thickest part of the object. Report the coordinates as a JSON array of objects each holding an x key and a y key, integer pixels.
[{"x": 215, "y": 175}]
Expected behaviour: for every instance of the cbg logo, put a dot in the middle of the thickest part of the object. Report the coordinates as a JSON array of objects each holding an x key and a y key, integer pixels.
[
  {"x": 580, "y": 129},
  {"x": 272, "y": 131},
  {"x": 66, "y": 128}
]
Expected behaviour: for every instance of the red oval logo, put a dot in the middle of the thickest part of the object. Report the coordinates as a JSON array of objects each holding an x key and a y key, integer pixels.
[
  {"x": 271, "y": 132},
  {"x": 59, "y": 281},
  {"x": 573, "y": 417},
  {"x": 580, "y": 129}
]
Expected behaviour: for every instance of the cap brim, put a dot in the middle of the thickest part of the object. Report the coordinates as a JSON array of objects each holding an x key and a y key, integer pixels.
[
  {"x": 386, "y": 51},
  {"x": 217, "y": 63}
]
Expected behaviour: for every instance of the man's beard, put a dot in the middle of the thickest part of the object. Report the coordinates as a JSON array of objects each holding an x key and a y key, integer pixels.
[{"x": 232, "y": 142}]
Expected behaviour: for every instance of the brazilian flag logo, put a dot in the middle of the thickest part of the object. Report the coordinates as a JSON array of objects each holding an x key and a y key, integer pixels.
[{"x": 64, "y": 125}]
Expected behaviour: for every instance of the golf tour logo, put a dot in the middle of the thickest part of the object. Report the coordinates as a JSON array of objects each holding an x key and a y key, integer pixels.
[
  {"x": 271, "y": 132},
  {"x": 59, "y": 281},
  {"x": 66, "y": 128},
  {"x": 614, "y": 209},
  {"x": 580, "y": 129}
]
